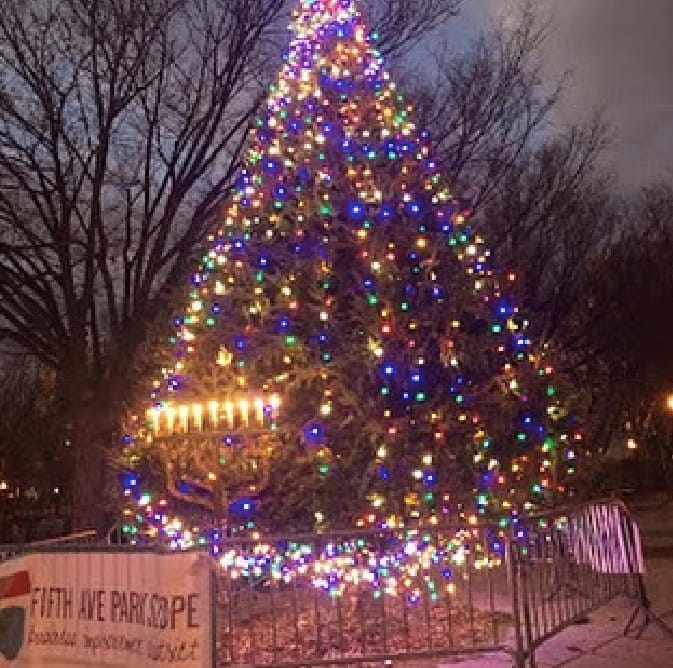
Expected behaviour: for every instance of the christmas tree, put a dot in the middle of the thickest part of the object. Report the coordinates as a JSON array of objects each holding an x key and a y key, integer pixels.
[{"x": 347, "y": 355}]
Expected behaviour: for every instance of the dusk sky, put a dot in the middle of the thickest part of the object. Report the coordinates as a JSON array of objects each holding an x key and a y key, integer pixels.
[{"x": 620, "y": 54}]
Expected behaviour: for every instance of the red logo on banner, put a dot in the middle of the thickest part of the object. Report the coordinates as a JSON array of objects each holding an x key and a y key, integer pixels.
[{"x": 12, "y": 615}]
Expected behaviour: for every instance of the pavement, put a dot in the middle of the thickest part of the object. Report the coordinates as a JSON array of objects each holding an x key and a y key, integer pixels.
[{"x": 598, "y": 644}]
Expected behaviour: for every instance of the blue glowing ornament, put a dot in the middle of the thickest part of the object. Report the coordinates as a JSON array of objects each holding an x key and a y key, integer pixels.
[
  {"x": 416, "y": 376},
  {"x": 240, "y": 343},
  {"x": 413, "y": 208},
  {"x": 283, "y": 323},
  {"x": 215, "y": 308},
  {"x": 384, "y": 473},
  {"x": 313, "y": 433},
  {"x": 388, "y": 369},
  {"x": 504, "y": 308},
  {"x": 242, "y": 507},
  {"x": 280, "y": 193},
  {"x": 386, "y": 211},
  {"x": 242, "y": 181},
  {"x": 129, "y": 480},
  {"x": 263, "y": 261},
  {"x": 270, "y": 166},
  {"x": 356, "y": 210},
  {"x": 263, "y": 136}
]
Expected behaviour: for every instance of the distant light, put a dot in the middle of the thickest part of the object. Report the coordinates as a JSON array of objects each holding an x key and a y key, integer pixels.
[{"x": 631, "y": 444}]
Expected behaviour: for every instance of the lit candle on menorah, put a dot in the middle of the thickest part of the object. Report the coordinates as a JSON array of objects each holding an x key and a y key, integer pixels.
[
  {"x": 154, "y": 416},
  {"x": 259, "y": 410},
  {"x": 183, "y": 415},
  {"x": 229, "y": 412},
  {"x": 213, "y": 414},
  {"x": 170, "y": 419},
  {"x": 197, "y": 412}
]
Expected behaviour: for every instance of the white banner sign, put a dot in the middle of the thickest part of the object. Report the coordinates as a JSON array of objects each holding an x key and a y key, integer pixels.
[{"x": 112, "y": 609}]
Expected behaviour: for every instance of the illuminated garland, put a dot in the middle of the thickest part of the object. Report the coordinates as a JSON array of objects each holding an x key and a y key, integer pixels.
[{"x": 333, "y": 263}]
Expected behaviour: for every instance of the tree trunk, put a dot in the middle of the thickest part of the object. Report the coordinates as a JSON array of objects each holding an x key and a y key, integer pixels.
[
  {"x": 95, "y": 439},
  {"x": 89, "y": 485}
]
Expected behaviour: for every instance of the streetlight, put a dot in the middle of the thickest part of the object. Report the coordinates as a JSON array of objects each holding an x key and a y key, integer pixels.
[{"x": 669, "y": 402}]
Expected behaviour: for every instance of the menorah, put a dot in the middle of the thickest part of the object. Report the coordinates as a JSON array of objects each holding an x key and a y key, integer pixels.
[
  {"x": 240, "y": 412},
  {"x": 214, "y": 450}
]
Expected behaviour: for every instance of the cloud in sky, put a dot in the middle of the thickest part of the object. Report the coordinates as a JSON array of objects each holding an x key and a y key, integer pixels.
[{"x": 620, "y": 54}]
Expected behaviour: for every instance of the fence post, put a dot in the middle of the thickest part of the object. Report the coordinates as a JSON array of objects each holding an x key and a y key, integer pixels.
[
  {"x": 213, "y": 611},
  {"x": 520, "y": 652}
]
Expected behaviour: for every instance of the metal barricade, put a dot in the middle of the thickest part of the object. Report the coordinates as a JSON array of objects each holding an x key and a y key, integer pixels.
[{"x": 568, "y": 563}]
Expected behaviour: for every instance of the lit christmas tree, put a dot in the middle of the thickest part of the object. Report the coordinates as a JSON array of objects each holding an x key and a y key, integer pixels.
[{"x": 347, "y": 355}]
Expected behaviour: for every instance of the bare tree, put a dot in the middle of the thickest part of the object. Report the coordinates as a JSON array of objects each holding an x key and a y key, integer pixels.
[
  {"x": 121, "y": 126},
  {"x": 539, "y": 194},
  {"x": 25, "y": 422},
  {"x": 552, "y": 215},
  {"x": 487, "y": 104},
  {"x": 623, "y": 324}
]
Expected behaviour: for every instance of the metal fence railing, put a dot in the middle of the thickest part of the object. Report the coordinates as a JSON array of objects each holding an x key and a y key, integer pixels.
[
  {"x": 86, "y": 537},
  {"x": 359, "y": 597},
  {"x": 369, "y": 596}
]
